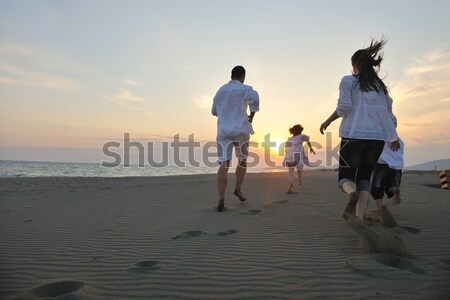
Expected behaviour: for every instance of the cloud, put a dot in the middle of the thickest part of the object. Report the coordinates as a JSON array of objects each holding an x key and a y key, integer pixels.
[
  {"x": 429, "y": 72},
  {"x": 203, "y": 101},
  {"x": 124, "y": 98},
  {"x": 133, "y": 81},
  {"x": 13, "y": 75},
  {"x": 421, "y": 98},
  {"x": 127, "y": 96},
  {"x": 8, "y": 48},
  {"x": 22, "y": 66}
]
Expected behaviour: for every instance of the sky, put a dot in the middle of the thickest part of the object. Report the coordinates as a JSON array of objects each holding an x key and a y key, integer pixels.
[{"x": 75, "y": 75}]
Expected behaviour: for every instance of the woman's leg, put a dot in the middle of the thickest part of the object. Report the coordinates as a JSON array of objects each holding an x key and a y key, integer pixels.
[
  {"x": 349, "y": 160},
  {"x": 361, "y": 206},
  {"x": 349, "y": 188},
  {"x": 371, "y": 151}
]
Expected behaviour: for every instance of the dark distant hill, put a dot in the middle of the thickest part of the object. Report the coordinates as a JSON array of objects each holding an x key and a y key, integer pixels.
[{"x": 441, "y": 164}]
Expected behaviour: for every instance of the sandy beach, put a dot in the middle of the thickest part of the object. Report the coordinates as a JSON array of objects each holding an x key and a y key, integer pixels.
[{"x": 161, "y": 238}]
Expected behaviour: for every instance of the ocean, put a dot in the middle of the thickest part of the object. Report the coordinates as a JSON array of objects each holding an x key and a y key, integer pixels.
[{"x": 61, "y": 169}]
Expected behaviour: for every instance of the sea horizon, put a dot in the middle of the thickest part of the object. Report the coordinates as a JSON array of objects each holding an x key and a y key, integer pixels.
[{"x": 24, "y": 168}]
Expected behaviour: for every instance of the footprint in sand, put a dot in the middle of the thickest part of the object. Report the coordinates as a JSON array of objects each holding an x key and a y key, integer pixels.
[
  {"x": 445, "y": 263},
  {"x": 388, "y": 220},
  {"x": 56, "y": 289},
  {"x": 144, "y": 267},
  {"x": 282, "y": 201},
  {"x": 147, "y": 264},
  {"x": 97, "y": 258},
  {"x": 227, "y": 232},
  {"x": 189, "y": 234},
  {"x": 376, "y": 238},
  {"x": 410, "y": 229},
  {"x": 251, "y": 212},
  {"x": 398, "y": 262}
]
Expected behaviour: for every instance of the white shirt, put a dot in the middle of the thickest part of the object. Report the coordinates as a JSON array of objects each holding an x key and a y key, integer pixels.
[
  {"x": 365, "y": 115},
  {"x": 230, "y": 105},
  {"x": 394, "y": 159},
  {"x": 294, "y": 145}
]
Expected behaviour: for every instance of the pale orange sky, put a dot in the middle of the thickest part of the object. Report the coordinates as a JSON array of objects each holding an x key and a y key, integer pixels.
[{"x": 73, "y": 76}]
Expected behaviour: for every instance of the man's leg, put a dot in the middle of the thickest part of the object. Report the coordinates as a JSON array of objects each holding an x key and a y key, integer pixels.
[
  {"x": 224, "y": 148},
  {"x": 240, "y": 174},
  {"x": 222, "y": 178},
  {"x": 241, "y": 148}
]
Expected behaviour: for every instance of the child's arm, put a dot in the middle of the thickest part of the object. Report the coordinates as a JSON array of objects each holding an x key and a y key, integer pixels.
[
  {"x": 306, "y": 139},
  {"x": 310, "y": 147}
]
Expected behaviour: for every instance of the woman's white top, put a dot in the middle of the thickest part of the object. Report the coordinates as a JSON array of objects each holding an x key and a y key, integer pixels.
[{"x": 365, "y": 115}]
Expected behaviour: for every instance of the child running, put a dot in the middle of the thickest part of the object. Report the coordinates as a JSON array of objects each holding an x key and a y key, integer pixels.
[
  {"x": 294, "y": 156},
  {"x": 387, "y": 175}
]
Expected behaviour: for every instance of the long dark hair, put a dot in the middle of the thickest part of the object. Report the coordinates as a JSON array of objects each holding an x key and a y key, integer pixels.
[{"x": 367, "y": 60}]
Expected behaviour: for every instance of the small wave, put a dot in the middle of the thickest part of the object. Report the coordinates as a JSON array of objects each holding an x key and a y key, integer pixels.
[{"x": 10, "y": 174}]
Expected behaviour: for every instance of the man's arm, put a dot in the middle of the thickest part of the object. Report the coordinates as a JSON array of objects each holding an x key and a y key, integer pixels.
[
  {"x": 250, "y": 117},
  {"x": 214, "y": 110}
]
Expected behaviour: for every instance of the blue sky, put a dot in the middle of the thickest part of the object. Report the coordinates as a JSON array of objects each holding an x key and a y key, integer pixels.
[{"x": 75, "y": 74}]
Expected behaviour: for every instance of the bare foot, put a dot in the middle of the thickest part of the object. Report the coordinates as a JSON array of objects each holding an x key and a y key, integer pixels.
[
  {"x": 351, "y": 206},
  {"x": 238, "y": 193},
  {"x": 396, "y": 198},
  {"x": 221, "y": 205},
  {"x": 290, "y": 190}
]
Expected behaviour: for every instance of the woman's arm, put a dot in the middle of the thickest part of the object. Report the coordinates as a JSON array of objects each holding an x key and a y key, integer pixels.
[{"x": 327, "y": 123}]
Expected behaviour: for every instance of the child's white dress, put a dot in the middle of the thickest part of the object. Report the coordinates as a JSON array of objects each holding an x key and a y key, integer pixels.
[{"x": 294, "y": 155}]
